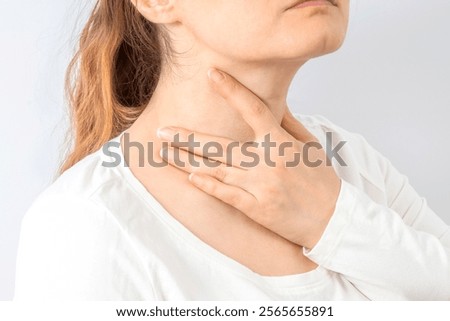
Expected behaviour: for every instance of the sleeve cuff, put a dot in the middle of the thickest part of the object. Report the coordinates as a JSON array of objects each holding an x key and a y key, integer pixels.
[{"x": 335, "y": 228}]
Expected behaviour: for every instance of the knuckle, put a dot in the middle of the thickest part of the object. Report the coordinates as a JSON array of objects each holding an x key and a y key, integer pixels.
[
  {"x": 270, "y": 190},
  {"x": 229, "y": 87},
  {"x": 246, "y": 205},
  {"x": 271, "y": 186},
  {"x": 235, "y": 200},
  {"x": 232, "y": 86},
  {"x": 219, "y": 173},
  {"x": 211, "y": 187},
  {"x": 257, "y": 108}
]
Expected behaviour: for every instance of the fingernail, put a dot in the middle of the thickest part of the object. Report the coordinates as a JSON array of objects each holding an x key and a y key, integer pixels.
[
  {"x": 167, "y": 133},
  {"x": 194, "y": 178},
  {"x": 215, "y": 75}
]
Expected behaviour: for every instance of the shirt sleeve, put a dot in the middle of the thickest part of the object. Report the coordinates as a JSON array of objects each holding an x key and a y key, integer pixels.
[
  {"x": 395, "y": 252},
  {"x": 71, "y": 248}
]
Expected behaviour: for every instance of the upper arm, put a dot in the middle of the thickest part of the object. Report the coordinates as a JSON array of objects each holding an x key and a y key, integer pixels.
[
  {"x": 72, "y": 248},
  {"x": 412, "y": 207}
]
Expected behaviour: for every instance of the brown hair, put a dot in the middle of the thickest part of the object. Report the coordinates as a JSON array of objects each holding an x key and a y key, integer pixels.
[{"x": 112, "y": 76}]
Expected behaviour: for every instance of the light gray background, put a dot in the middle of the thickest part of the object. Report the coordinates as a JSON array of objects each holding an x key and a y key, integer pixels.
[{"x": 390, "y": 82}]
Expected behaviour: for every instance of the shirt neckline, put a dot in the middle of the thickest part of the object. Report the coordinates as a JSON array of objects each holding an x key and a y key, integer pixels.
[{"x": 285, "y": 281}]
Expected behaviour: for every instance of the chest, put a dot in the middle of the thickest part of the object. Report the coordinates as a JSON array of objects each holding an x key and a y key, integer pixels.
[{"x": 221, "y": 226}]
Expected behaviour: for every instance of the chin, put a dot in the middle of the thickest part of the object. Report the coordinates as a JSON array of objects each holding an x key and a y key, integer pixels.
[
  {"x": 311, "y": 47},
  {"x": 290, "y": 47},
  {"x": 327, "y": 46},
  {"x": 315, "y": 36}
]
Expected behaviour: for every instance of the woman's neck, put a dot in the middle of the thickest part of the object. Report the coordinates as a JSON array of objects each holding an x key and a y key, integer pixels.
[{"x": 184, "y": 97}]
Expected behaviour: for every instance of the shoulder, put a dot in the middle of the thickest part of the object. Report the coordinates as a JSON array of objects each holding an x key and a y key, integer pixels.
[
  {"x": 73, "y": 204},
  {"x": 369, "y": 159},
  {"x": 76, "y": 202},
  {"x": 322, "y": 123},
  {"x": 365, "y": 167},
  {"x": 72, "y": 243},
  {"x": 86, "y": 178},
  {"x": 380, "y": 179},
  {"x": 86, "y": 186}
]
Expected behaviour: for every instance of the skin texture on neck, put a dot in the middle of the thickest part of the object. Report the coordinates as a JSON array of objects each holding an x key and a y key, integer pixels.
[{"x": 184, "y": 98}]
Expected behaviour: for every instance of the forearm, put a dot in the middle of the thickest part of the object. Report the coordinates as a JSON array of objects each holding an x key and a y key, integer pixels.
[{"x": 382, "y": 256}]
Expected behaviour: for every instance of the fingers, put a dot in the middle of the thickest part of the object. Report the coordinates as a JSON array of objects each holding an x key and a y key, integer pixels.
[
  {"x": 296, "y": 129},
  {"x": 190, "y": 163},
  {"x": 252, "y": 109},
  {"x": 217, "y": 148},
  {"x": 232, "y": 195}
]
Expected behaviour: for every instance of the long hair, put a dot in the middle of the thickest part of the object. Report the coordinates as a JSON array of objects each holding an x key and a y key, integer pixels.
[{"x": 112, "y": 75}]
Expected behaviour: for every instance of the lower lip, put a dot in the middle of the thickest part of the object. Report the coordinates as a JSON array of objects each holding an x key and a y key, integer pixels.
[{"x": 313, "y": 3}]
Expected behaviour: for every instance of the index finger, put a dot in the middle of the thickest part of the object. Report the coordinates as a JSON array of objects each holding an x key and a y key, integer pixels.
[{"x": 252, "y": 109}]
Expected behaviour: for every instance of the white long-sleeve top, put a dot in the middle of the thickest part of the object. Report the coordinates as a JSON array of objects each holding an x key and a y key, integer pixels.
[{"x": 97, "y": 234}]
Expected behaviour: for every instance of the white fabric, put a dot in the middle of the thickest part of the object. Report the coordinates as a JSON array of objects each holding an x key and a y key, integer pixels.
[{"x": 97, "y": 234}]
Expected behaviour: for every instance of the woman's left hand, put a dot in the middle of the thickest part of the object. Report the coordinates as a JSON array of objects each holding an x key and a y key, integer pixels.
[{"x": 289, "y": 187}]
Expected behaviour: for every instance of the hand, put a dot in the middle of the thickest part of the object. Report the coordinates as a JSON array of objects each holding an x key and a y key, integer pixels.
[{"x": 295, "y": 202}]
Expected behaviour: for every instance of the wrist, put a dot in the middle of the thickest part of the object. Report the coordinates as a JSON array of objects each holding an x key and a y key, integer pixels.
[{"x": 321, "y": 221}]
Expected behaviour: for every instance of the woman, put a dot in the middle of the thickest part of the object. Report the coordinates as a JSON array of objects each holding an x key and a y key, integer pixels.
[{"x": 341, "y": 224}]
